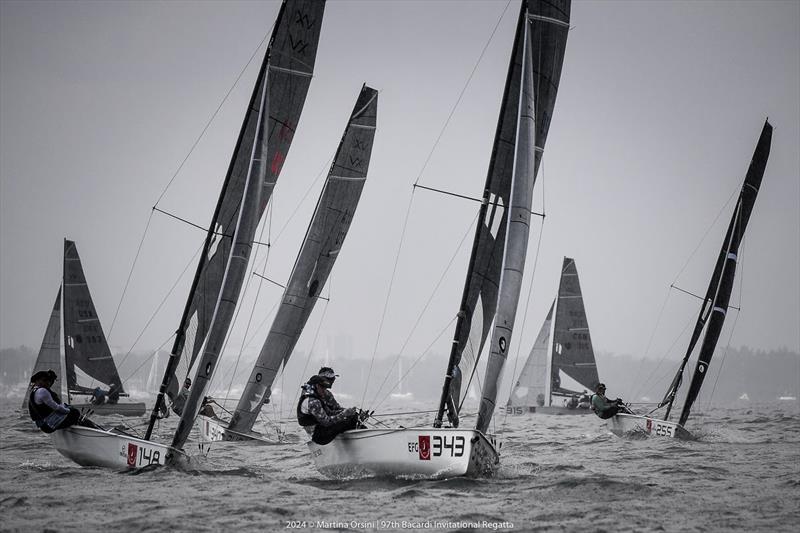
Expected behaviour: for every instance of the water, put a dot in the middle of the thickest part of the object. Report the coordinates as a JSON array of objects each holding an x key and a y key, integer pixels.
[{"x": 562, "y": 473}]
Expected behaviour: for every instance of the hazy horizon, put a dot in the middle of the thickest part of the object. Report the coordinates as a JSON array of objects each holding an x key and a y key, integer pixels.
[{"x": 658, "y": 113}]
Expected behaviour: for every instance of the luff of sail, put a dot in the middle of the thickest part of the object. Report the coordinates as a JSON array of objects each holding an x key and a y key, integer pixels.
[
  {"x": 572, "y": 351},
  {"x": 531, "y": 387},
  {"x": 49, "y": 356},
  {"x": 545, "y": 30},
  {"x": 264, "y": 139},
  {"x": 323, "y": 241},
  {"x": 719, "y": 292},
  {"x": 85, "y": 344}
]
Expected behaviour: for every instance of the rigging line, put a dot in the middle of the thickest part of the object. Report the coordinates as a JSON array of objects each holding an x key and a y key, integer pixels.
[
  {"x": 461, "y": 95},
  {"x": 388, "y": 293},
  {"x": 424, "y": 412},
  {"x": 663, "y": 357},
  {"x": 214, "y": 114},
  {"x": 249, "y": 319},
  {"x": 425, "y": 308},
  {"x": 311, "y": 351},
  {"x": 527, "y": 305},
  {"x": 130, "y": 274},
  {"x": 700, "y": 297},
  {"x": 416, "y": 361},
  {"x": 650, "y": 341},
  {"x": 479, "y": 200},
  {"x": 708, "y": 230},
  {"x": 735, "y": 320},
  {"x": 204, "y": 230},
  {"x": 161, "y": 304},
  {"x": 148, "y": 360}
]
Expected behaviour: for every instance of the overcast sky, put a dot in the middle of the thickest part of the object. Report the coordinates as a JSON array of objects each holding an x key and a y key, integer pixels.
[{"x": 659, "y": 110}]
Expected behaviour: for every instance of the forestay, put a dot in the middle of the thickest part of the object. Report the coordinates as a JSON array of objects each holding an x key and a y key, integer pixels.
[{"x": 323, "y": 241}]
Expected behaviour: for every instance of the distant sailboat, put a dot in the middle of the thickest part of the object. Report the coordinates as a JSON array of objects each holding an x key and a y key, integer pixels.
[
  {"x": 561, "y": 354},
  {"x": 264, "y": 140},
  {"x": 86, "y": 351},
  {"x": 712, "y": 312},
  {"x": 494, "y": 275},
  {"x": 320, "y": 249}
]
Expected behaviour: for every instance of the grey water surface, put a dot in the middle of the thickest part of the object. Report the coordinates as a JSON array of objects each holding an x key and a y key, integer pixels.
[{"x": 558, "y": 473}]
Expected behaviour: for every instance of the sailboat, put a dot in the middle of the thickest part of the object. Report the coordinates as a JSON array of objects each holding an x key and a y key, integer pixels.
[
  {"x": 323, "y": 242},
  {"x": 264, "y": 140},
  {"x": 86, "y": 349},
  {"x": 561, "y": 368},
  {"x": 712, "y": 312},
  {"x": 494, "y": 275}
]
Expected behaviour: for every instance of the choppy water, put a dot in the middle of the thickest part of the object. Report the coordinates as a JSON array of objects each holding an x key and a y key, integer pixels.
[{"x": 558, "y": 473}]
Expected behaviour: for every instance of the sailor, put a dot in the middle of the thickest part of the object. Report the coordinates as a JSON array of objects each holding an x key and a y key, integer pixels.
[
  {"x": 98, "y": 396},
  {"x": 314, "y": 417},
  {"x": 206, "y": 409},
  {"x": 113, "y": 393},
  {"x": 605, "y": 408},
  {"x": 180, "y": 400},
  {"x": 46, "y": 408},
  {"x": 327, "y": 399}
]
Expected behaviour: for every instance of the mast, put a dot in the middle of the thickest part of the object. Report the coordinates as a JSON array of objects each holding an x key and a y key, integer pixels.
[
  {"x": 546, "y": 26},
  {"x": 719, "y": 292},
  {"x": 295, "y": 40},
  {"x": 479, "y": 298},
  {"x": 321, "y": 246}
]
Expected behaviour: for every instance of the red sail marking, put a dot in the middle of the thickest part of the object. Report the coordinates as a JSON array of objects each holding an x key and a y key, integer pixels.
[
  {"x": 132, "y": 451},
  {"x": 425, "y": 447}
]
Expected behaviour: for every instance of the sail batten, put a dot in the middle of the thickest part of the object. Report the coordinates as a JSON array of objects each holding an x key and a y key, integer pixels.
[{"x": 323, "y": 241}]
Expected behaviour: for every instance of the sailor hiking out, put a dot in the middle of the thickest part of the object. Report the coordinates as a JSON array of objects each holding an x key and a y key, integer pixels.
[
  {"x": 605, "y": 408},
  {"x": 45, "y": 406}
]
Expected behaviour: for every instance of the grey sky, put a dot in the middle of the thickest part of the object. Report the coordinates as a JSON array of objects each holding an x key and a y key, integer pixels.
[{"x": 659, "y": 110}]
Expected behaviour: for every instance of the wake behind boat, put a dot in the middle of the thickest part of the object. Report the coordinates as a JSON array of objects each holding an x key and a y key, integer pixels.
[
  {"x": 494, "y": 275},
  {"x": 712, "y": 312}
]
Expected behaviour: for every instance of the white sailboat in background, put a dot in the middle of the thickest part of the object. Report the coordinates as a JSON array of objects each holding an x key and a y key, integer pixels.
[
  {"x": 88, "y": 363},
  {"x": 494, "y": 275},
  {"x": 712, "y": 312},
  {"x": 323, "y": 242},
  {"x": 561, "y": 369},
  {"x": 264, "y": 140}
]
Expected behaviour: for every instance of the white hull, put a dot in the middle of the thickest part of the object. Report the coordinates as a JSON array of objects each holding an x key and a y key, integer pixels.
[
  {"x": 216, "y": 430},
  {"x": 545, "y": 410},
  {"x": 417, "y": 452},
  {"x": 624, "y": 425},
  {"x": 96, "y": 447},
  {"x": 124, "y": 409}
]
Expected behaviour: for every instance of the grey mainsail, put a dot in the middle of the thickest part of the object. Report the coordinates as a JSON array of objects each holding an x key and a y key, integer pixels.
[
  {"x": 321, "y": 246},
  {"x": 715, "y": 305},
  {"x": 85, "y": 345},
  {"x": 264, "y": 140},
  {"x": 494, "y": 276},
  {"x": 50, "y": 351}
]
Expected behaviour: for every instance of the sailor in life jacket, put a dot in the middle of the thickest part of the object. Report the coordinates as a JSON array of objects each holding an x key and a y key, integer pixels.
[
  {"x": 314, "y": 415},
  {"x": 45, "y": 407},
  {"x": 605, "y": 408},
  {"x": 328, "y": 401}
]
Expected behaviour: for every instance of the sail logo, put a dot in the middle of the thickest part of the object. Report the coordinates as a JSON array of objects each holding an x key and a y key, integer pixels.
[{"x": 425, "y": 447}]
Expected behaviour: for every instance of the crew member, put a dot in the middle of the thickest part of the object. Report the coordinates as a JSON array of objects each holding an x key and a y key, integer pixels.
[
  {"x": 180, "y": 399},
  {"x": 605, "y": 408},
  {"x": 46, "y": 408},
  {"x": 313, "y": 415},
  {"x": 330, "y": 403}
]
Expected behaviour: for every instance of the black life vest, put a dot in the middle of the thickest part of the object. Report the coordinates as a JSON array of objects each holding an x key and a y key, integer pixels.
[
  {"x": 305, "y": 419},
  {"x": 40, "y": 411}
]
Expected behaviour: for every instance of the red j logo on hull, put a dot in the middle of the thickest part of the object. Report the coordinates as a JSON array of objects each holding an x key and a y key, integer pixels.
[{"x": 425, "y": 447}]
